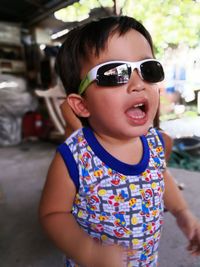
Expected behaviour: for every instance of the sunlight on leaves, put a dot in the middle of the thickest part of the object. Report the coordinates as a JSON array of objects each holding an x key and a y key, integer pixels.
[
  {"x": 80, "y": 10},
  {"x": 170, "y": 22}
]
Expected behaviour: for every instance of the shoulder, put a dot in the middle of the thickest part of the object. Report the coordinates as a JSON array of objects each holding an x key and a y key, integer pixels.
[
  {"x": 165, "y": 139},
  {"x": 58, "y": 186},
  {"x": 157, "y": 146},
  {"x": 168, "y": 143},
  {"x": 71, "y": 147},
  {"x": 154, "y": 137},
  {"x": 75, "y": 139},
  {"x": 75, "y": 135},
  {"x": 70, "y": 152}
]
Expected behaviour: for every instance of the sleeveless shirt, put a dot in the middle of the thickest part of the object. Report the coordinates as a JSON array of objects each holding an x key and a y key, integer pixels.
[{"x": 117, "y": 202}]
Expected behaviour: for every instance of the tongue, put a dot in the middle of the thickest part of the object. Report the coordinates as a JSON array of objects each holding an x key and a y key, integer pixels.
[{"x": 135, "y": 113}]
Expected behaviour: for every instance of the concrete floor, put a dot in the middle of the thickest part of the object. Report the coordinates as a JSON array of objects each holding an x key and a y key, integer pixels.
[{"x": 23, "y": 244}]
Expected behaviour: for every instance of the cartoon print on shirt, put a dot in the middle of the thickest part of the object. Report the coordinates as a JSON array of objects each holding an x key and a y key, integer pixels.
[
  {"x": 146, "y": 201},
  {"x": 147, "y": 175},
  {"x": 156, "y": 161},
  {"x": 120, "y": 225},
  {"x": 98, "y": 172},
  {"x": 148, "y": 228},
  {"x": 81, "y": 141},
  {"x": 85, "y": 174},
  {"x": 116, "y": 177},
  {"x": 132, "y": 202},
  {"x": 103, "y": 216},
  {"x": 147, "y": 250},
  {"x": 160, "y": 151},
  {"x": 97, "y": 227},
  {"x": 92, "y": 204},
  {"x": 116, "y": 199},
  {"x": 119, "y": 206},
  {"x": 86, "y": 160}
]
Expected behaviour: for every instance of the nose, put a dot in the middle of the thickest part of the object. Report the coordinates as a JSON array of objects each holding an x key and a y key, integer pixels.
[{"x": 136, "y": 83}]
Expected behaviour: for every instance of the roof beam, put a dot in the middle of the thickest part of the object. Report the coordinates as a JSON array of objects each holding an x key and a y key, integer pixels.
[{"x": 47, "y": 10}]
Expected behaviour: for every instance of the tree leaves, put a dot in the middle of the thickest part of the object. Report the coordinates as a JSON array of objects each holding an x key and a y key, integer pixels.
[{"x": 170, "y": 22}]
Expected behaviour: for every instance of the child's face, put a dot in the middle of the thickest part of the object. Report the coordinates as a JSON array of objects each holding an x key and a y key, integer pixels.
[{"x": 127, "y": 110}]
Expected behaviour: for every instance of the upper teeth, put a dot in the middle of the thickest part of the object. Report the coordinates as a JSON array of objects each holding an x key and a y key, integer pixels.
[{"x": 138, "y": 105}]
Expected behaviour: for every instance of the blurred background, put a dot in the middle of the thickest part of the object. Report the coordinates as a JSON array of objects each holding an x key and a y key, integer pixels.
[
  {"x": 31, "y": 124},
  {"x": 31, "y": 33}
]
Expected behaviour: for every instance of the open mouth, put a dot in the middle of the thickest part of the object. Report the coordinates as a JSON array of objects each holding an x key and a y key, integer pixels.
[{"x": 137, "y": 111}]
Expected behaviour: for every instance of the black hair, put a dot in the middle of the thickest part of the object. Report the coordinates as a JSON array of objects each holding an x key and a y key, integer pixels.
[{"x": 90, "y": 38}]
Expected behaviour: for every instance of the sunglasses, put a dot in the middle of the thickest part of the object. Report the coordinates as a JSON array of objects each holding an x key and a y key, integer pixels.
[{"x": 113, "y": 73}]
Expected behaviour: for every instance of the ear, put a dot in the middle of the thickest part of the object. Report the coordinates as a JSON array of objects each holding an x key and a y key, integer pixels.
[{"x": 78, "y": 105}]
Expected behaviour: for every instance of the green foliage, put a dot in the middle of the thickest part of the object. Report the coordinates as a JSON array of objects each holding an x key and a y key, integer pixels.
[
  {"x": 81, "y": 10},
  {"x": 170, "y": 22}
]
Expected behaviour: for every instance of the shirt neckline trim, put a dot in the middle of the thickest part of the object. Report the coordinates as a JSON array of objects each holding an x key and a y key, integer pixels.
[{"x": 111, "y": 161}]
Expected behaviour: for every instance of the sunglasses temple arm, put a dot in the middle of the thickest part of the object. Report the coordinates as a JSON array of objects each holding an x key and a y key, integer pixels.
[{"x": 83, "y": 85}]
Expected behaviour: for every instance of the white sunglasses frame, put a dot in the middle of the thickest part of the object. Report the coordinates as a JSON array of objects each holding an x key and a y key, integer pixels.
[{"x": 92, "y": 74}]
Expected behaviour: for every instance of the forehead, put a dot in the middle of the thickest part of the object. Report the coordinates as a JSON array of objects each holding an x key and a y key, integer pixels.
[{"x": 131, "y": 46}]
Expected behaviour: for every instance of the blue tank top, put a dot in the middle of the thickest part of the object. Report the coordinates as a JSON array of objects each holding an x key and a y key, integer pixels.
[{"x": 117, "y": 202}]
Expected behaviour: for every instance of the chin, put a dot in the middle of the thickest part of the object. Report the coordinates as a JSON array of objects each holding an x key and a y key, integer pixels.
[{"x": 140, "y": 130}]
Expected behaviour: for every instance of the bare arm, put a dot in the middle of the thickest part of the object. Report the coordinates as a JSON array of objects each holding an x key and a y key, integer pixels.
[
  {"x": 168, "y": 144},
  {"x": 173, "y": 198},
  {"x": 188, "y": 223},
  {"x": 60, "y": 225},
  {"x": 72, "y": 121}
]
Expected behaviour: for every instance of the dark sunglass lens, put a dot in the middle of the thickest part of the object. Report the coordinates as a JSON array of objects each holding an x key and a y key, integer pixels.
[
  {"x": 152, "y": 71},
  {"x": 113, "y": 74}
]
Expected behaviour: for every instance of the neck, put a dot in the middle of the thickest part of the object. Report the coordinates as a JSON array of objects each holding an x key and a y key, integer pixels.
[
  {"x": 113, "y": 140},
  {"x": 127, "y": 150}
]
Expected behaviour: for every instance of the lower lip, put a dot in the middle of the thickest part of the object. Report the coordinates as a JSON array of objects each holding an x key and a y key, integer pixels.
[{"x": 138, "y": 121}]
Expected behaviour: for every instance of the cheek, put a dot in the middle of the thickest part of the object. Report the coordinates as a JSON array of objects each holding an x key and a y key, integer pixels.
[
  {"x": 101, "y": 104},
  {"x": 155, "y": 100},
  {"x": 155, "y": 95},
  {"x": 102, "y": 108},
  {"x": 101, "y": 98}
]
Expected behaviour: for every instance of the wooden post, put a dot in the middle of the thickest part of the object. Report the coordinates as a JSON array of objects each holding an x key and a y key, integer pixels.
[{"x": 117, "y": 9}]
